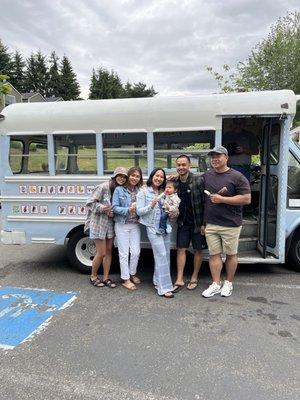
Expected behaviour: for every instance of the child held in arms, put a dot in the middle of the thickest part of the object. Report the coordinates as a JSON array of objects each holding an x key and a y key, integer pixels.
[{"x": 169, "y": 202}]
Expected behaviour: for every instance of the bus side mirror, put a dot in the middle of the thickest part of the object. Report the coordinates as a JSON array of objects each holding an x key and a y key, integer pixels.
[{"x": 2, "y": 117}]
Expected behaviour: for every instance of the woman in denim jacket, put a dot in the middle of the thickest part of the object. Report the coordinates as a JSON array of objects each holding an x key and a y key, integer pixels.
[
  {"x": 149, "y": 206},
  {"x": 127, "y": 227}
]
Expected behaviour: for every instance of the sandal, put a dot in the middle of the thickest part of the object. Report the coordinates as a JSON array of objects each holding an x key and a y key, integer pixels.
[
  {"x": 131, "y": 287},
  {"x": 97, "y": 282},
  {"x": 134, "y": 279},
  {"x": 177, "y": 287},
  {"x": 109, "y": 283},
  {"x": 168, "y": 295},
  {"x": 192, "y": 285}
]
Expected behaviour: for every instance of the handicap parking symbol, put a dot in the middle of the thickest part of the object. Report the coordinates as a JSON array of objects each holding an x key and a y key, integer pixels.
[{"x": 24, "y": 312}]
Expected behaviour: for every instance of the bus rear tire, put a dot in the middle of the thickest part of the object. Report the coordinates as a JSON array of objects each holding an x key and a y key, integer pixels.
[
  {"x": 294, "y": 252},
  {"x": 81, "y": 251}
]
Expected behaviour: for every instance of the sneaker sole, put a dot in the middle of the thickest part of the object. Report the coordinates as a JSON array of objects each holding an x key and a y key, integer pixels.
[
  {"x": 226, "y": 295},
  {"x": 207, "y": 297}
]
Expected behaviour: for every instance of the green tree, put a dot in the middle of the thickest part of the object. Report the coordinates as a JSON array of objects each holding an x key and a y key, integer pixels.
[
  {"x": 4, "y": 88},
  {"x": 138, "y": 90},
  {"x": 5, "y": 59},
  {"x": 54, "y": 81},
  {"x": 274, "y": 63},
  {"x": 105, "y": 85},
  {"x": 36, "y": 75},
  {"x": 17, "y": 76},
  {"x": 30, "y": 74},
  {"x": 70, "y": 89},
  {"x": 108, "y": 85},
  {"x": 93, "y": 86}
]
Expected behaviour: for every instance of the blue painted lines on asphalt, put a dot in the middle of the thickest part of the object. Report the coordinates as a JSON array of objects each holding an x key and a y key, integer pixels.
[{"x": 24, "y": 312}]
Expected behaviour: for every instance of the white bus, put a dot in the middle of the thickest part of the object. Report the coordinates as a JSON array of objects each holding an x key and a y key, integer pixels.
[{"x": 53, "y": 154}]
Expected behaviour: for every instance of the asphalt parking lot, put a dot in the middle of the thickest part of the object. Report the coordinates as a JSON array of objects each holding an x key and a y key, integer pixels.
[{"x": 115, "y": 344}]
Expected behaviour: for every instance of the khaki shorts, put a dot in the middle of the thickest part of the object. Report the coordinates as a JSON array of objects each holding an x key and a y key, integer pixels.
[{"x": 222, "y": 239}]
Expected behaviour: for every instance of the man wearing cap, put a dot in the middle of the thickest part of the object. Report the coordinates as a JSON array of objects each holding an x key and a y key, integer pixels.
[{"x": 227, "y": 190}]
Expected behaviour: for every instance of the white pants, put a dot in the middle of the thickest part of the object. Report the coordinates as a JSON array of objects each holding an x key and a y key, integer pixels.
[{"x": 128, "y": 241}]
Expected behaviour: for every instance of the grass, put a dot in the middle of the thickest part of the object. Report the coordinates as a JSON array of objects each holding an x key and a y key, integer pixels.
[{"x": 85, "y": 160}]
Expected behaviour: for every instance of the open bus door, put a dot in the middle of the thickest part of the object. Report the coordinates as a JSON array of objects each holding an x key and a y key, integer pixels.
[{"x": 268, "y": 243}]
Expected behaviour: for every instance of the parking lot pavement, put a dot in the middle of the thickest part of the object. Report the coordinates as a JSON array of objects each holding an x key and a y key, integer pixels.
[{"x": 116, "y": 344}]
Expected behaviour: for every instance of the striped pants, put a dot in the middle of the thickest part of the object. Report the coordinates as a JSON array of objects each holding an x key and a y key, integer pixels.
[{"x": 161, "y": 251}]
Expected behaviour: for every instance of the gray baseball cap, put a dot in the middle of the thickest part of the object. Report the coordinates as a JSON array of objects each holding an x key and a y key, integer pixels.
[{"x": 219, "y": 150}]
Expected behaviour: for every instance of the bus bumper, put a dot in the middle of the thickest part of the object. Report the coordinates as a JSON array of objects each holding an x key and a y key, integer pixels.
[{"x": 13, "y": 237}]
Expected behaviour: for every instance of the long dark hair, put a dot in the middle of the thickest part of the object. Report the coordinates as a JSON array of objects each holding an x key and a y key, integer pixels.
[
  {"x": 150, "y": 179},
  {"x": 131, "y": 171}
]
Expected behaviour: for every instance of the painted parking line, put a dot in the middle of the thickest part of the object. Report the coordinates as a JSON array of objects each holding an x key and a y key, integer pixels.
[{"x": 24, "y": 312}]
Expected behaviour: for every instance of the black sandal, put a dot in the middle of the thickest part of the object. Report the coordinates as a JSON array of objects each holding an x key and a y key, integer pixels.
[
  {"x": 170, "y": 296},
  {"x": 97, "y": 282},
  {"x": 178, "y": 287},
  {"x": 109, "y": 283}
]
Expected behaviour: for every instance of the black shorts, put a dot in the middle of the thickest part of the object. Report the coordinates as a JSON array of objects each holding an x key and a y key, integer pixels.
[{"x": 186, "y": 235}]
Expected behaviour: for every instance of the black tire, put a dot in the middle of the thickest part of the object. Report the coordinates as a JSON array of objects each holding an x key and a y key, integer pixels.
[
  {"x": 294, "y": 252},
  {"x": 80, "y": 251}
]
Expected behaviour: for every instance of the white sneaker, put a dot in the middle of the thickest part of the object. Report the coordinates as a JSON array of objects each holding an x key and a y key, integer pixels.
[
  {"x": 227, "y": 289},
  {"x": 213, "y": 289}
]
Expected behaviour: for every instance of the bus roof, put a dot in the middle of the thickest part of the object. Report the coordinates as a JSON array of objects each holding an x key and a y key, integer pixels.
[{"x": 145, "y": 114}]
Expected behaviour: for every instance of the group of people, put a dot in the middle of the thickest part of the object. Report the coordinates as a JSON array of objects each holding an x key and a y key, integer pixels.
[{"x": 208, "y": 211}]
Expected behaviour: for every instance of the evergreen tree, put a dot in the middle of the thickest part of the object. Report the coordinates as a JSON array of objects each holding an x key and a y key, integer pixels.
[
  {"x": 31, "y": 74},
  {"x": 105, "y": 85},
  {"x": 5, "y": 60},
  {"x": 42, "y": 73},
  {"x": 54, "y": 82},
  {"x": 93, "y": 86},
  {"x": 138, "y": 90},
  {"x": 17, "y": 76},
  {"x": 116, "y": 89},
  {"x": 36, "y": 76},
  {"x": 108, "y": 85},
  {"x": 103, "y": 82},
  {"x": 70, "y": 89}
]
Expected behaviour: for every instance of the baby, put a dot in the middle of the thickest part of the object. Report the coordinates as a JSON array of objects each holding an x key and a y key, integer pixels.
[{"x": 170, "y": 203}]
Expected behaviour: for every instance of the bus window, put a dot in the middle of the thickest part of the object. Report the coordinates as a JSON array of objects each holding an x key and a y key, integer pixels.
[
  {"x": 293, "y": 188},
  {"x": 75, "y": 154},
  {"x": 61, "y": 159},
  {"x": 38, "y": 156},
  {"x": 124, "y": 149},
  {"x": 169, "y": 145},
  {"x": 16, "y": 155},
  {"x": 275, "y": 145}
]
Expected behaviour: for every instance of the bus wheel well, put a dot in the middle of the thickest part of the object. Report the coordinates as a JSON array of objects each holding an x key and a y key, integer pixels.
[
  {"x": 294, "y": 250},
  {"x": 80, "y": 250},
  {"x": 72, "y": 231}
]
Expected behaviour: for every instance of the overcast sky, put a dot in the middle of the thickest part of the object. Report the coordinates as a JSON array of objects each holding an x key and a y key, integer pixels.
[{"x": 164, "y": 43}]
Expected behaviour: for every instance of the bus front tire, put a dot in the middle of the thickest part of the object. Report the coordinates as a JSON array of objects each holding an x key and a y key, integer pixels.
[
  {"x": 294, "y": 252},
  {"x": 81, "y": 251}
]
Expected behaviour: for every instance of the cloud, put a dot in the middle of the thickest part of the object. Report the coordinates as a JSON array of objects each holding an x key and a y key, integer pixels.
[{"x": 164, "y": 43}]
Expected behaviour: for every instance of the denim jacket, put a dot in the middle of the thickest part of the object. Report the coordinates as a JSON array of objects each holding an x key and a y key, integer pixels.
[
  {"x": 121, "y": 202},
  {"x": 143, "y": 207}
]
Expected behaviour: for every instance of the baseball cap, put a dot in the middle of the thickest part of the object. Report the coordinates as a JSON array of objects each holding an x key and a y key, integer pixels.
[
  {"x": 219, "y": 150},
  {"x": 120, "y": 171}
]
